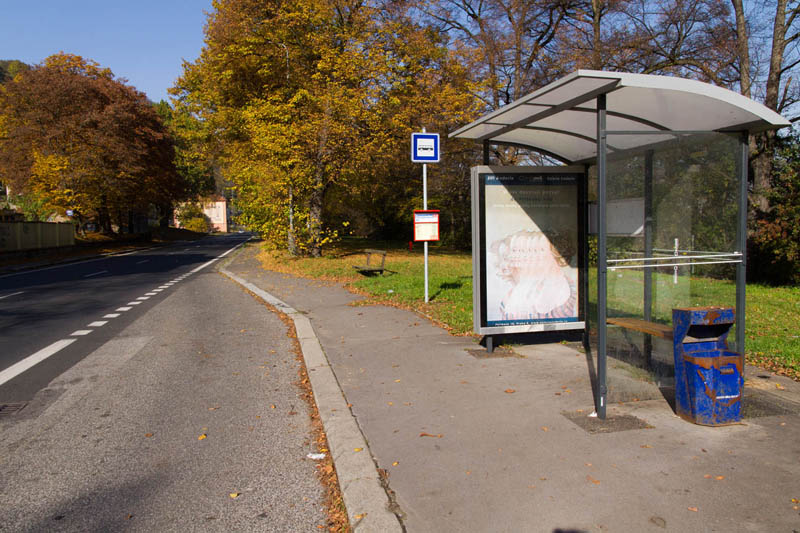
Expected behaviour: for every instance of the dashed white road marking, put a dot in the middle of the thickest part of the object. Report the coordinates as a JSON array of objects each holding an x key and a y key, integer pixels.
[
  {"x": 12, "y": 294},
  {"x": 111, "y": 315},
  {"x": 156, "y": 290},
  {"x": 20, "y": 367},
  {"x": 143, "y": 298},
  {"x": 123, "y": 309},
  {"x": 142, "y": 261},
  {"x": 134, "y": 303},
  {"x": 150, "y": 293},
  {"x": 97, "y": 324},
  {"x": 80, "y": 333},
  {"x": 96, "y": 274}
]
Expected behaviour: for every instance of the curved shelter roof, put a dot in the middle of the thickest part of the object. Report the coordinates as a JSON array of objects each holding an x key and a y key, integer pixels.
[{"x": 560, "y": 118}]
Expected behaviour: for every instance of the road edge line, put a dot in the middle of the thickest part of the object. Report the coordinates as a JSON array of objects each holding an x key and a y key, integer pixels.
[{"x": 363, "y": 494}]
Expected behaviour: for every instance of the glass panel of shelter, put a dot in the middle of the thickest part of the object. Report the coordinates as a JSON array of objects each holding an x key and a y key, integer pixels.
[{"x": 672, "y": 219}]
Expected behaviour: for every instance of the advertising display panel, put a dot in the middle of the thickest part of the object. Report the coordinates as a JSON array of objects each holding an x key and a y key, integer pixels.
[{"x": 527, "y": 255}]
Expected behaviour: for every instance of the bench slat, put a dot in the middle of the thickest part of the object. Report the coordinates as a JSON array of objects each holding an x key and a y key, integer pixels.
[{"x": 651, "y": 328}]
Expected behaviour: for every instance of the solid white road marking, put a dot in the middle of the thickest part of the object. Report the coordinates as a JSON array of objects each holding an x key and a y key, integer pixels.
[
  {"x": 20, "y": 367},
  {"x": 80, "y": 333},
  {"x": 95, "y": 274},
  {"x": 111, "y": 315},
  {"x": 97, "y": 324},
  {"x": 123, "y": 309},
  {"x": 12, "y": 294}
]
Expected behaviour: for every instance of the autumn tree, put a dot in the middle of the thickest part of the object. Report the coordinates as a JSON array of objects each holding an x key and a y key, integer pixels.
[
  {"x": 82, "y": 140},
  {"x": 313, "y": 102}
]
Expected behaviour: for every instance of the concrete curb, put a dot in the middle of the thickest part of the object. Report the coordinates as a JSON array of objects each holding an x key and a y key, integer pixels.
[{"x": 364, "y": 497}]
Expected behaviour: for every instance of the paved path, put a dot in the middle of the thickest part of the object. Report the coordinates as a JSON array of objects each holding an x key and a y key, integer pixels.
[
  {"x": 489, "y": 444},
  {"x": 113, "y": 443}
]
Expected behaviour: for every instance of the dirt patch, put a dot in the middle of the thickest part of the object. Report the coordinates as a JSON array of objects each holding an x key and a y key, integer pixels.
[{"x": 611, "y": 424}]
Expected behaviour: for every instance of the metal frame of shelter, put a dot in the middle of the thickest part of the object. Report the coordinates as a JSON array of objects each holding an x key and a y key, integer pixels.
[{"x": 588, "y": 114}]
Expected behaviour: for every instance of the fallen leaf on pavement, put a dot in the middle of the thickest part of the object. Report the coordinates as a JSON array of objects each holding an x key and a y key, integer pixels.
[
  {"x": 235, "y": 495},
  {"x": 593, "y": 480},
  {"x": 357, "y": 449},
  {"x": 545, "y": 428},
  {"x": 213, "y": 408},
  {"x": 509, "y": 391},
  {"x": 719, "y": 478},
  {"x": 795, "y": 500},
  {"x": 779, "y": 386},
  {"x": 707, "y": 476},
  {"x": 202, "y": 436},
  {"x": 360, "y": 516},
  {"x": 587, "y": 464},
  {"x": 148, "y": 435},
  {"x": 423, "y": 434},
  {"x": 693, "y": 509},
  {"x": 395, "y": 463},
  {"x": 129, "y": 517},
  {"x": 243, "y": 331},
  {"x": 272, "y": 406},
  {"x": 397, "y": 381},
  {"x": 645, "y": 446}
]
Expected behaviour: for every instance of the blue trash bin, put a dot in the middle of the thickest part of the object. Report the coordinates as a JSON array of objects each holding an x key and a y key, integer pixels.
[{"x": 708, "y": 376}]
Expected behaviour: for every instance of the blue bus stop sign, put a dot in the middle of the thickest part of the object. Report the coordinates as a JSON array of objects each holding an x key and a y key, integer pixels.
[{"x": 424, "y": 147}]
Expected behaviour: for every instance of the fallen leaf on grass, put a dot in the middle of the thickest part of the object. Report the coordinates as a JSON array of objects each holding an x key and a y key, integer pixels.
[
  {"x": 423, "y": 434},
  {"x": 509, "y": 391},
  {"x": 235, "y": 495},
  {"x": 593, "y": 480},
  {"x": 202, "y": 436},
  {"x": 148, "y": 435},
  {"x": 692, "y": 509}
]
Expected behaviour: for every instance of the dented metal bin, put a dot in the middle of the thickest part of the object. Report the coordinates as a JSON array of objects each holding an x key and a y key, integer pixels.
[{"x": 708, "y": 376}]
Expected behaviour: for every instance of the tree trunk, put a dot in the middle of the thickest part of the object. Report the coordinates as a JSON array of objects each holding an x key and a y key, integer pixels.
[{"x": 291, "y": 241}]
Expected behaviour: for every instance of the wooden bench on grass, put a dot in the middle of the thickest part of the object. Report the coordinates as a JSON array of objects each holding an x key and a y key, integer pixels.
[
  {"x": 372, "y": 268},
  {"x": 651, "y": 328}
]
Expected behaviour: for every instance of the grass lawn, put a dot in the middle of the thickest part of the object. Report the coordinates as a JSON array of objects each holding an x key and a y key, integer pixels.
[{"x": 773, "y": 337}]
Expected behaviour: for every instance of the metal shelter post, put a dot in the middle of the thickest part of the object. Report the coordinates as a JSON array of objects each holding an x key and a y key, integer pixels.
[
  {"x": 602, "y": 386},
  {"x": 741, "y": 268},
  {"x": 648, "y": 250}
]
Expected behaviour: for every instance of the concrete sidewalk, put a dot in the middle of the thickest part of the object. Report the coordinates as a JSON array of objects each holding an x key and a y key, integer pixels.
[{"x": 476, "y": 443}]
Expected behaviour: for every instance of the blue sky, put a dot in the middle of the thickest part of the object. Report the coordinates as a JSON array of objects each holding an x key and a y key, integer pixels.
[{"x": 144, "y": 41}]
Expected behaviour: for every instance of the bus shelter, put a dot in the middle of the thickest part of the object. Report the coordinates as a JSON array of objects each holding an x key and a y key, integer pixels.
[{"x": 651, "y": 188}]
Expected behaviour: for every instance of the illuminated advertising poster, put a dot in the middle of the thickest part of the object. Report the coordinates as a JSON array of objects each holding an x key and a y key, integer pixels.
[{"x": 531, "y": 248}]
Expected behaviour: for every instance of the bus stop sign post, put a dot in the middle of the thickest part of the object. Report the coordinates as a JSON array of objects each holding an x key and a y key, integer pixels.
[{"x": 425, "y": 149}]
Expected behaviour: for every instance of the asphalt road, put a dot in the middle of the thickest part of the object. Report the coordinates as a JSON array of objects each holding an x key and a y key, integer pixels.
[
  {"x": 181, "y": 414},
  {"x": 80, "y": 306}
]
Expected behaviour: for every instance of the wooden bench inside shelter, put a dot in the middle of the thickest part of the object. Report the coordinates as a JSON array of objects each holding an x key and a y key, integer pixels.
[
  {"x": 651, "y": 328},
  {"x": 372, "y": 268}
]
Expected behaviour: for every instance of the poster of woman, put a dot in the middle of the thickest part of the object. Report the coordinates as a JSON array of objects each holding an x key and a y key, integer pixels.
[{"x": 531, "y": 249}]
